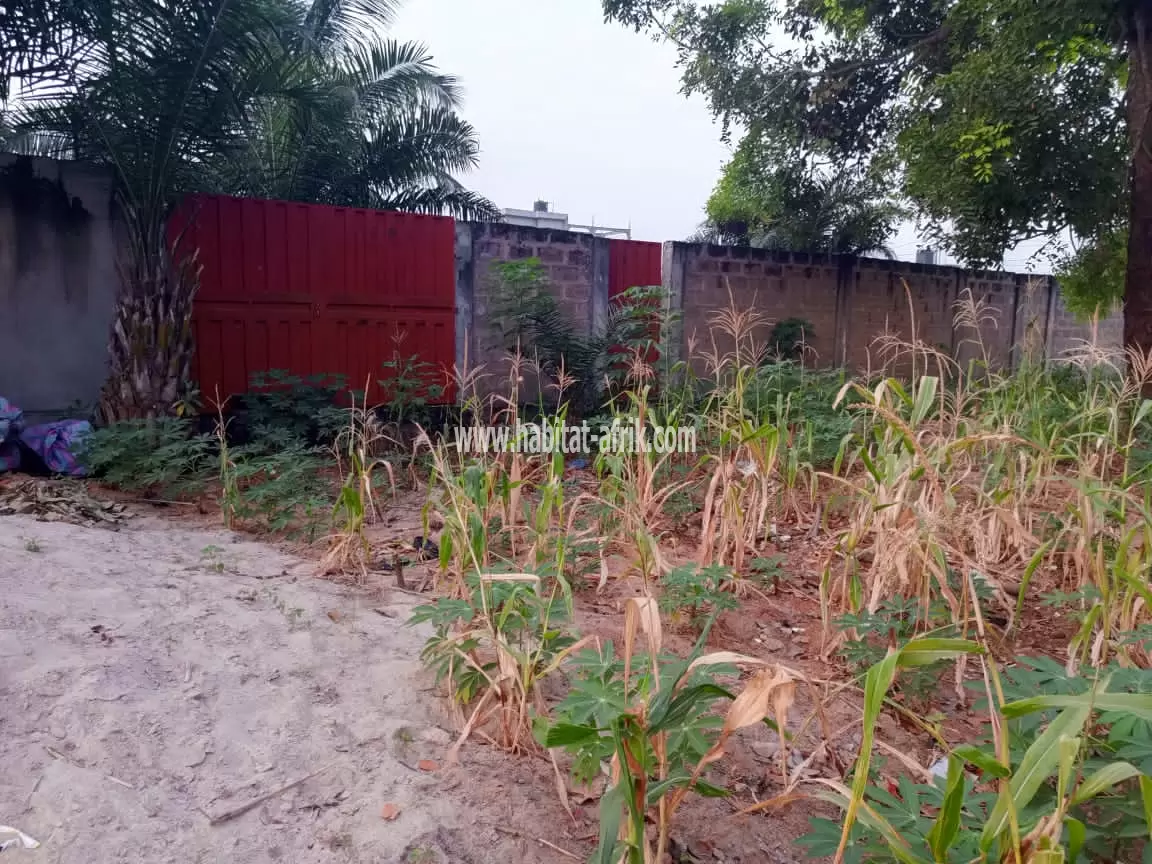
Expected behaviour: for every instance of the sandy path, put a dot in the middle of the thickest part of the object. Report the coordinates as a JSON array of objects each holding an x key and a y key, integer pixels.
[{"x": 201, "y": 671}]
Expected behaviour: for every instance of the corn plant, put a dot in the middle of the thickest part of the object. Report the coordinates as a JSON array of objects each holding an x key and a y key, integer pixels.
[
  {"x": 741, "y": 496},
  {"x": 649, "y": 728},
  {"x": 1040, "y": 793},
  {"x": 635, "y": 482},
  {"x": 355, "y": 452},
  {"x": 229, "y": 486}
]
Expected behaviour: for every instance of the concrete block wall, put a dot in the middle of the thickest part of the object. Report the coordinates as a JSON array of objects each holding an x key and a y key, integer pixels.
[
  {"x": 576, "y": 265},
  {"x": 1066, "y": 335},
  {"x": 713, "y": 278},
  {"x": 58, "y": 283},
  {"x": 886, "y": 300},
  {"x": 852, "y": 302}
]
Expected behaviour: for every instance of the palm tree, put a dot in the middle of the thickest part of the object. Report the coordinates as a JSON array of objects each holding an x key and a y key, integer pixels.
[
  {"x": 150, "y": 89},
  {"x": 267, "y": 97},
  {"x": 356, "y": 119}
]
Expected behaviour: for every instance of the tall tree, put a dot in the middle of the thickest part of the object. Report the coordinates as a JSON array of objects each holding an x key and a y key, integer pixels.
[
  {"x": 770, "y": 201},
  {"x": 305, "y": 100},
  {"x": 1000, "y": 120}
]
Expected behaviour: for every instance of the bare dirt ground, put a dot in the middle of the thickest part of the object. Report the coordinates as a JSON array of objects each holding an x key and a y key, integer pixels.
[{"x": 156, "y": 679}]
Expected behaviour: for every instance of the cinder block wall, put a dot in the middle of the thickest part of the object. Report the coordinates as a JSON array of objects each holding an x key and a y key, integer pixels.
[
  {"x": 852, "y": 303},
  {"x": 1067, "y": 335},
  {"x": 775, "y": 285},
  {"x": 576, "y": 265}
]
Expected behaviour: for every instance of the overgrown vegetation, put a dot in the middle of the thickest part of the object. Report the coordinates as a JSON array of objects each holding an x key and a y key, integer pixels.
[
  {"x": 295, "y": 456},
  {"x": 947, "y": 499},
  {"x": 946, "y": 511}
]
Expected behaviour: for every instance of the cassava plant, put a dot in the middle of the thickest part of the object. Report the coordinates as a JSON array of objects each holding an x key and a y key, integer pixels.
[
  {"x": 653, "y": 764},
  {"x": 494, "y": 647}
]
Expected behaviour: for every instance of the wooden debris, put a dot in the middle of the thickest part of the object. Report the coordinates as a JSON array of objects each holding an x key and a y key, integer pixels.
[{"x": 267, "y": 796}]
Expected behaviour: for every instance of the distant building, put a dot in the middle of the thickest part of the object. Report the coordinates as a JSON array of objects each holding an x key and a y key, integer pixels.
[
  {"x": 925, "y": 255},
  {"x": 541, "y": 216}
]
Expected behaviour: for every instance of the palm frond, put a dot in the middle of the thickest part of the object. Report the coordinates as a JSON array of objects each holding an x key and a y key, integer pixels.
[
  {"x": 330, "y": 24},
  {"x": 388, "y": 74}
]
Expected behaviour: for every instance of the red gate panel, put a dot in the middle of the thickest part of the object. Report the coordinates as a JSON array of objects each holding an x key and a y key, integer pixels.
[
  {"x": 632, "y": 263},
  {"x": 314, "y": 289}
]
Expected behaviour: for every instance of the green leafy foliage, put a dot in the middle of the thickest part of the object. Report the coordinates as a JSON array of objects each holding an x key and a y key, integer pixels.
[
  {"x": 642, "y": 324},
  {"x": 768, "y": 202},
  {"x": 527, "y": 317},
  {"x": 768, "y": 571},
  {"x": 284, "y": 489},
  {"x": 1001, "y": 120},
  {"x": 509, "y": 628},
  {"x": 1074, "y": 762},
  {"x": 410, "y": 385},
  {"x": 283, "y": 407},
  {"x": 788, "y": 338},
  {"x": 597, "y": 702},
  {"x": 165, "y": 454},
  {"x": 696, "y": 591},
  {"x": 238, "y": 97},
  {"x": 896, "y": 622},
  {"x": 1092, "y": 277},
  {"x": 806, "y": 400},
  {"x": 277, "y": 480}
]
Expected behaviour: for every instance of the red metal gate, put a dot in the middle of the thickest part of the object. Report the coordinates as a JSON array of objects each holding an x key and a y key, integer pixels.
[
  {"x": 313, "y": 289},
  {"x": 632, "y": 263}
]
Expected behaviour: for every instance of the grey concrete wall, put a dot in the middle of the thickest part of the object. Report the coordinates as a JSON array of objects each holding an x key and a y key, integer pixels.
[
  {"x": 575, "y": 263},
  {"x": 58, "y": 282},
  {"x": 850, "y": 302}
]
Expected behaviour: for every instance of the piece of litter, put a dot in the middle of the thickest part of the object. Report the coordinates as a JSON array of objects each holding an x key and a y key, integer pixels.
[
  {"x": 427, "y": 765},
  {"x": 9, "y": 837},
  {"x": 389, "y": 812},
  {"x": 939, "y": 768}
]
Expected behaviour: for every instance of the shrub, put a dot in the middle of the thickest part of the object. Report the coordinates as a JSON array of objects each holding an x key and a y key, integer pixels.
[
  {"x": 307, "y": 409},
  {"x": 165, "y": 455}
]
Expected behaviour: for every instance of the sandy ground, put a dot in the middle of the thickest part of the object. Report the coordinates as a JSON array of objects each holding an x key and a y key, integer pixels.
[{"x": 157, "y": 677}]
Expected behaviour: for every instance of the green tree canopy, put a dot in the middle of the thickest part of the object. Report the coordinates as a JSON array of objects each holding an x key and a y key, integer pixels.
[
  {"x": 998, "y": 120},
  {"x": 771, "y": 202},
  {"x": 275, "y": 98}
]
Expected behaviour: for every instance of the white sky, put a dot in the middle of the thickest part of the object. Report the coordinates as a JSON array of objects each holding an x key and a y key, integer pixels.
[{"x": 584, "y": 114}]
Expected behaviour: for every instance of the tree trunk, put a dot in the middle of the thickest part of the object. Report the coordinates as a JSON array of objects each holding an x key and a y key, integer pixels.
[
  {"x": 150, "y": 346},
  {"x": 1138, "y": 278}
]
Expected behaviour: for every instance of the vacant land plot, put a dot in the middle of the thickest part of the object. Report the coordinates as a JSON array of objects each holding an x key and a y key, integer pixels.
[{"x": 155, "y": 680}]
